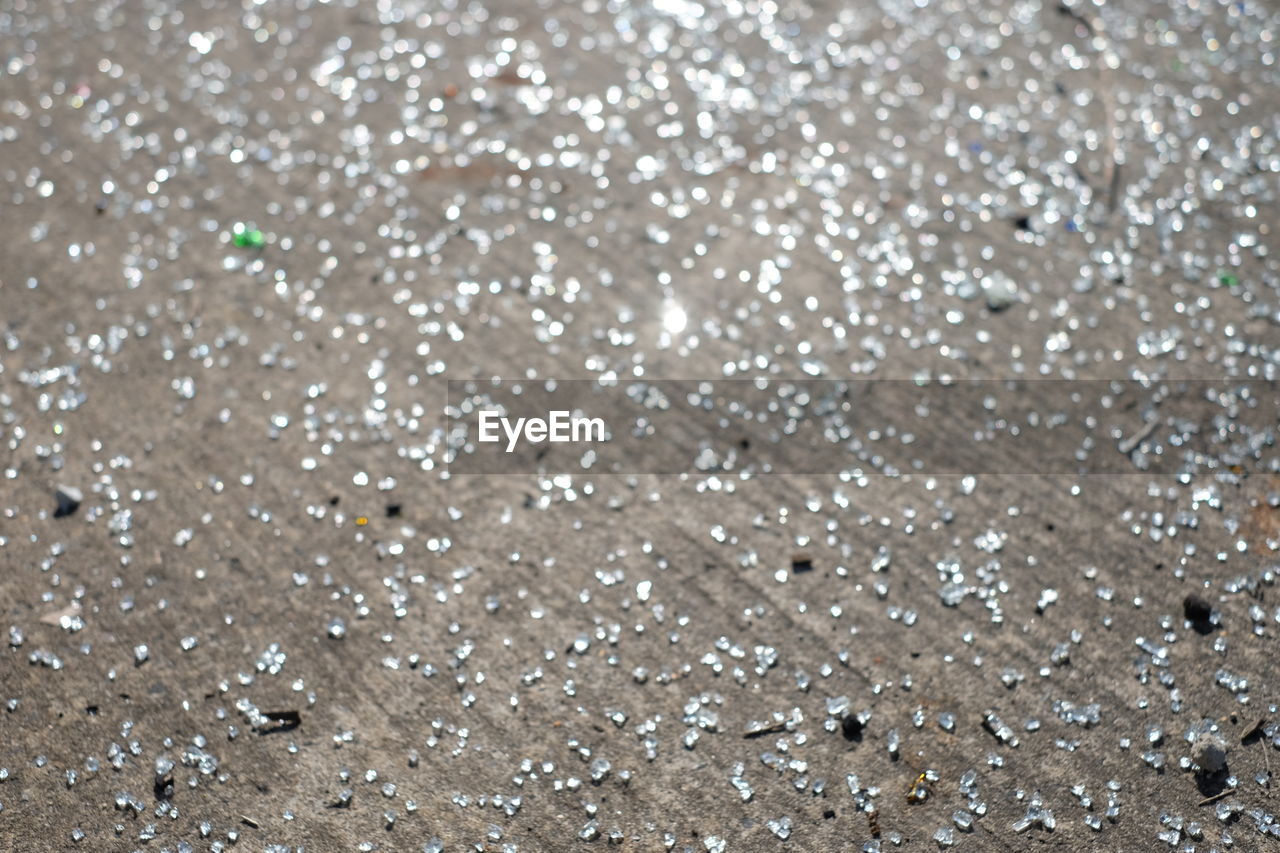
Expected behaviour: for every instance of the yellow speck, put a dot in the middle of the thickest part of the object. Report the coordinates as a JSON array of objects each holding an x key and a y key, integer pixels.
[
  {"x": 919, "y": 792},
  {"x": 362, "y": 520}
]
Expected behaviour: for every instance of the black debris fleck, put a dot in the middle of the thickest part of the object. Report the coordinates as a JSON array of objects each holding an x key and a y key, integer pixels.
[
  {"x": 68, "y": 498},
  {"x": 1199, "y": 613}
]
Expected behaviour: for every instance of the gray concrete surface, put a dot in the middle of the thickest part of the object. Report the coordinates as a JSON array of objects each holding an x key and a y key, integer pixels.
[{"x": 459, "y": 190}]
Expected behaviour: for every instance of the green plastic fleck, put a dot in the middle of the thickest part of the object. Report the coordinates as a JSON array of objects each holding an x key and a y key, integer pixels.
[{"x": 248, "y": 238}]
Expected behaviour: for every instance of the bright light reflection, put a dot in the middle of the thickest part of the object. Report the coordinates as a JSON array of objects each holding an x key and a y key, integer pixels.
[{"x": 674, "y": 319}]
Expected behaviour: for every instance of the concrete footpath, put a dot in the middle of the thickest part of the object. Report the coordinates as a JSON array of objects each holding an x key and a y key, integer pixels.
[{"x": 245, "y": 604}]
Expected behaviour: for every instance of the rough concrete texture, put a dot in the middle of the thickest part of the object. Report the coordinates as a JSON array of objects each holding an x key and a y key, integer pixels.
[{"x": 525, "y": 189}]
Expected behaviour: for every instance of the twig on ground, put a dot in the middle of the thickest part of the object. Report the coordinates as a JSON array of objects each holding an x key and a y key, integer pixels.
[{"x": 1106, "y": 91}]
